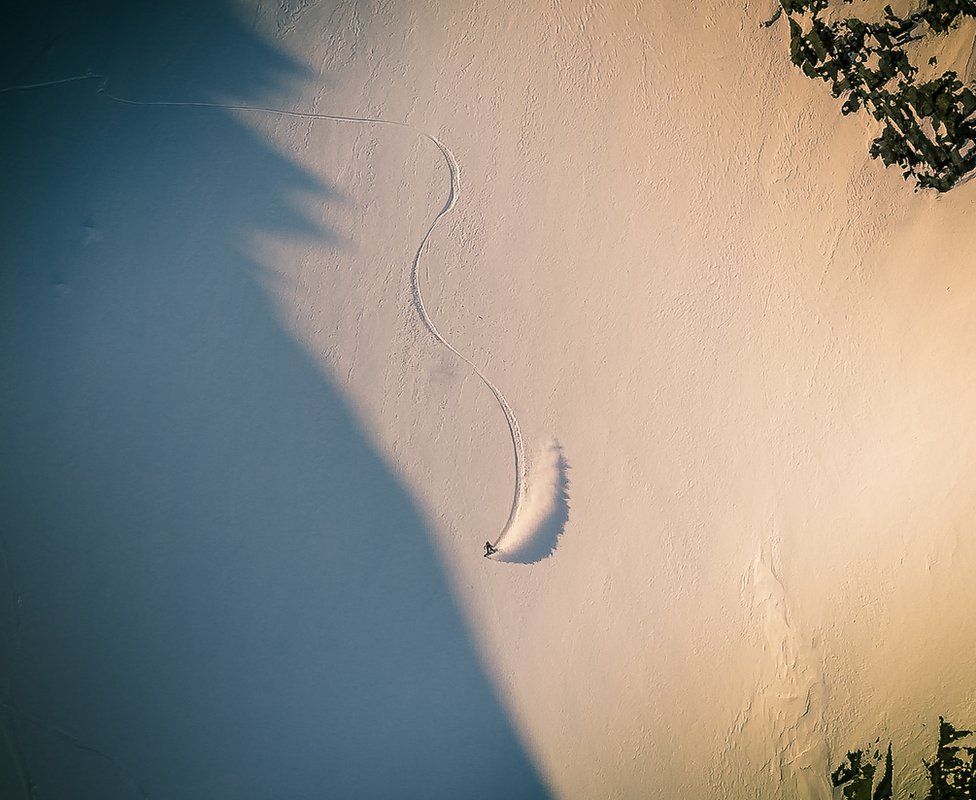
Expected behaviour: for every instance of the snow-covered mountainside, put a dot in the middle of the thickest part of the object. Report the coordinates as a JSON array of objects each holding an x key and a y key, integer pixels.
[{"x": 269, "y": 378}]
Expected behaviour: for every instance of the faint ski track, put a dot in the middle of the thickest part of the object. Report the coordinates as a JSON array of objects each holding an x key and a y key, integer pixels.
[
  {"x": 8, "y": 709},
  {"x": 418, "y": 298},
  {"x": 78, "y": 744}
]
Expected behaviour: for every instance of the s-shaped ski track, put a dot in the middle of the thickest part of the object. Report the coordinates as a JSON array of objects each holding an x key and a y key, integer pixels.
[{"x": 518, "y": 447}]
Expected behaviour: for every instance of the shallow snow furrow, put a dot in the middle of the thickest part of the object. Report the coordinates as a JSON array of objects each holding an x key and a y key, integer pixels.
[{"x": 455, "y": 188}]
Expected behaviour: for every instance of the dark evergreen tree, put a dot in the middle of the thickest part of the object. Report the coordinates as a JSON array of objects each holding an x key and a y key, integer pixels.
[
  {"x": 856, "y": 776},
  {"x": 927, "y": 127},
  {"x": 952, "y": 773}
]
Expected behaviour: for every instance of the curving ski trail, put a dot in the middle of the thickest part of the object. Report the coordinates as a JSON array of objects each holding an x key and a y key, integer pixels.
[{"x": 418, "y": 298}]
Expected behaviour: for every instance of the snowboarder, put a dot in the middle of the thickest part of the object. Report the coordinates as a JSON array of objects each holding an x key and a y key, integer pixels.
[{"x": 490, "y": 550}]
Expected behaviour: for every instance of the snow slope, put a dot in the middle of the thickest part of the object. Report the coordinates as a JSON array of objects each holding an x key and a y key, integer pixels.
[
  {"x": 675, "y": 255},
  {"x": 754, "y": 345}
]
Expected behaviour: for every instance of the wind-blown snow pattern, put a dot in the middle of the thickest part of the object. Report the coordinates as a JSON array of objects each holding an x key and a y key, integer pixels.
[
  {"x": 536, "y": 530},
  {"x": 518, "y": 448}
]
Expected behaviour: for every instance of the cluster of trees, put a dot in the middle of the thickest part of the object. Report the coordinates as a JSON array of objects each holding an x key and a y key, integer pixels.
[
  {"x": 927, "y": 127},
  {"x": 952, "y": 773}
]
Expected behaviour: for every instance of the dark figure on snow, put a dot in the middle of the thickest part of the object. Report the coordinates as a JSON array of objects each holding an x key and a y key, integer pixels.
[{"x": 490, "y": 550}]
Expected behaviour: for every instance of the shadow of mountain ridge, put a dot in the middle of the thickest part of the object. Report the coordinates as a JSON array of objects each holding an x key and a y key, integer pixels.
[{"x": 221, "y": 583}]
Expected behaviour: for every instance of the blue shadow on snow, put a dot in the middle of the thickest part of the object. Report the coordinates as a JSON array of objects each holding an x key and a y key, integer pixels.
[{"x": 221, "y": 585}]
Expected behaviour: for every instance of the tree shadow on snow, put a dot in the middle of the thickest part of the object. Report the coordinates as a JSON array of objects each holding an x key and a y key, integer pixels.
[{"x": 220, "y": 583}]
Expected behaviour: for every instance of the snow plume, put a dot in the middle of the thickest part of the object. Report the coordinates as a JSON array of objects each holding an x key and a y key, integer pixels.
[{"x": 541, "y": 519}]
